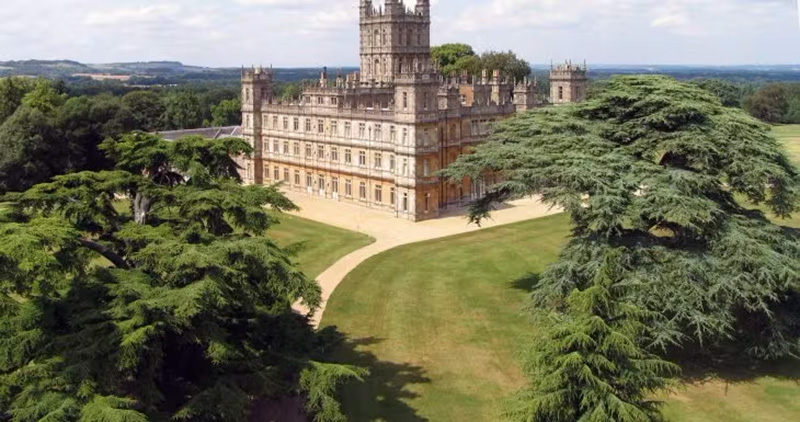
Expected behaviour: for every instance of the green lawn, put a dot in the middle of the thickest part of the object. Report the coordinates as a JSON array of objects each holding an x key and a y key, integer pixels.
[
  {"x": 441, "y": 325},
  {"x": 790, "y": 136},
  {"x": 319, "y": 245}
]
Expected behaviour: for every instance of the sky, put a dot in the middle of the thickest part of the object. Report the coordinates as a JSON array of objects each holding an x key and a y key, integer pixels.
[{"x": 311, "y": 33}]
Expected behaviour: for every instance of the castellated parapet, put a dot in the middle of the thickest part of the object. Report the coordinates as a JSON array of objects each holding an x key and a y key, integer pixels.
[
  {"x": 378, "y": 137},
  {"x": 569, "y": 83}
]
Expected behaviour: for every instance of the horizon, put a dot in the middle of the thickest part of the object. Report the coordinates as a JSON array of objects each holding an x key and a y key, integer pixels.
[
  {"x": 533, "y": 65},
  {"x": 317, "y": 33}
]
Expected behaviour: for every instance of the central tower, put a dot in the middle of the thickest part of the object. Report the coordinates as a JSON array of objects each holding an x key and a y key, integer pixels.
[{"x": 394, "y": 40}]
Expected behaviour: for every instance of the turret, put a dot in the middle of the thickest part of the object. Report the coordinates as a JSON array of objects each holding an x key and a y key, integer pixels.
[
  {"x": 569, "y": 83},
  {"x": 424, "y": 8},
  {"x": 526, "y": 96},
  {"x": 365, "y": 8}
]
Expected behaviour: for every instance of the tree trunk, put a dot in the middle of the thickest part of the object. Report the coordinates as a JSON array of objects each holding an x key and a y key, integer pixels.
[
  {"x": 141, "y": 207},
  {"x": 107, "y": 253}
]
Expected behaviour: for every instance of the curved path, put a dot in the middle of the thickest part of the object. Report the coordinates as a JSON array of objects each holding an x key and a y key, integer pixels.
[{"x": 390, "y": 232}]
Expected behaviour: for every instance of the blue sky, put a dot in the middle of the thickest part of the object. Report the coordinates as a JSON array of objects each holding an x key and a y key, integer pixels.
[{"x": 324, "y": 32}]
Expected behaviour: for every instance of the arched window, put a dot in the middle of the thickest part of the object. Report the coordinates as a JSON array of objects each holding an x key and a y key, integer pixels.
[
  {"x": 376, "y": 39},
  {"x": 409, "y": 37},
  {"x": 384, "y": 37},
  {"x": 377, "y": 65}
]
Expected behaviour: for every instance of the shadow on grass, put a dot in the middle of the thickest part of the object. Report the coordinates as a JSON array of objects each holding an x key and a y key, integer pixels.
[
  {"x": 526, "y": 283},
  {"x": 384, "y": 393},
  {"x": 700, "y": 367}
]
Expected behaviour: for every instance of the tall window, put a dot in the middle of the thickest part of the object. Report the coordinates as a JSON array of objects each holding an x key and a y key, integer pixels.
[
  {"x": 348, "y": 188},
  {"x": 297, "y": 177},
  {"x": 348, "y": 129},
  {"x": 405, "y": 136},
  {"x": 378, "y": 160},
  {"x": 274, "y": 122},
  {"x": 320, "y": 152},
  {"x": 286, "y": 147},
  {"x": 391, "y": 162},
  {"x": 321, "y": 183},
  {"x": 296, "y": 124},
  {"x": 348, "y": 157},
  {"x": 427, "y": 202},
  {"x": 308, "y": 125},
  {"x": 378, "y": 193},
  {"x": 335, "y": 154},
  {"x": 362, "y": 158},
  {"x": 309, "y": 180},
  {"x": 405, "y": 202},
  {"x": 276, "y": 147},
  {"x": 277, "y": 173},
  {"x": 405, "y": 167},
  {"x": 320, "y": 126},
  {"x": 426, "y": 168},
  {"x": 362, "y": 130},
  {"x": 297, "y": 149},
  {"x": 405, "y": 100},
  {"x": 335, "y": 128},
  {"x": 392, "y": 196},
  {"x": 285, "y": 123},
  {"x": 308, "y": 150},
  {"x": 362, "y": 191},
  {"x": 377, "y": 132},
  {"x": 392, "y": 134},
  {"x": 561, "y": 93},
  {"x": 335, "y": 185},
  {"x": 286, "y": 175}
]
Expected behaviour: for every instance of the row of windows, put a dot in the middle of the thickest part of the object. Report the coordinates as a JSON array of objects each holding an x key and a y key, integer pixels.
[
  {"x": 406, "y": 37},
  {"x": 319, "y": 154},
  {"x": 364, "y": 131},
  {"x": 373, "y": 131},
  {"x": 377, "y": 158},
  {"x": 319, "y": 182}
]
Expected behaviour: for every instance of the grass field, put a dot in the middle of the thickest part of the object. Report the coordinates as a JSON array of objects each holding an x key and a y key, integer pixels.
[
  {"x": 789, "y": 135},
  {"x": 319, "y": 245},
  {"x": 442, "y": 336}
]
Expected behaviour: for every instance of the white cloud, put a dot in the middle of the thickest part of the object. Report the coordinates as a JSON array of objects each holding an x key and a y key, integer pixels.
[
  {"x": 325, "y": 32},
  {"x": 152, "y": 13}
]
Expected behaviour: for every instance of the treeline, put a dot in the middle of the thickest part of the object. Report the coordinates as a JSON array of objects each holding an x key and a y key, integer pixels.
[
  {"x": 47, "y": 130},
  {"x": 772, "y": 102}
]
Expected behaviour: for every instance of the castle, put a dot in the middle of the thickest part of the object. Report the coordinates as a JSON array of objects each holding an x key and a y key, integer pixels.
[{"x": 378, "y": 137}]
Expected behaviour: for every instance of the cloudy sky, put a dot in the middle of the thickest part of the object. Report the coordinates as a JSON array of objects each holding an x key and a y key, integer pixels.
[{"x": 324, "y": 32}]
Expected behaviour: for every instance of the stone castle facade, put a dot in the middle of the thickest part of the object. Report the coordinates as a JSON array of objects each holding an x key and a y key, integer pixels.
[{"x": 378, "y": 137}]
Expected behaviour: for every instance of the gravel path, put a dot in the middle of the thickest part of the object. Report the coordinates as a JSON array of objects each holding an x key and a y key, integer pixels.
[{"x": 390, "y": 232}]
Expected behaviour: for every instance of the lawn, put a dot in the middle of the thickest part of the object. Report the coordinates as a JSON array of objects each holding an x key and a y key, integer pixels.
[
  {"x": 319, "y": 245},
  {"x": 441, "y": 325},
  {"x": 789, "y": 135}
]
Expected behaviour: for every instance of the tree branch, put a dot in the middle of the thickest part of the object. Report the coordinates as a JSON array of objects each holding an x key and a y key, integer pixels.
[{"x": 107, "y": 253}]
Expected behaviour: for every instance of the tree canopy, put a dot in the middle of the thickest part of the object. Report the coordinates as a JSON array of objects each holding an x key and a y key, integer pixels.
[
  {"x": 591, "y": 365},
  {"x": 188, "y": 317},
  {"x": 661, "y": 167},
  {"x": 454, "y": 58}
]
